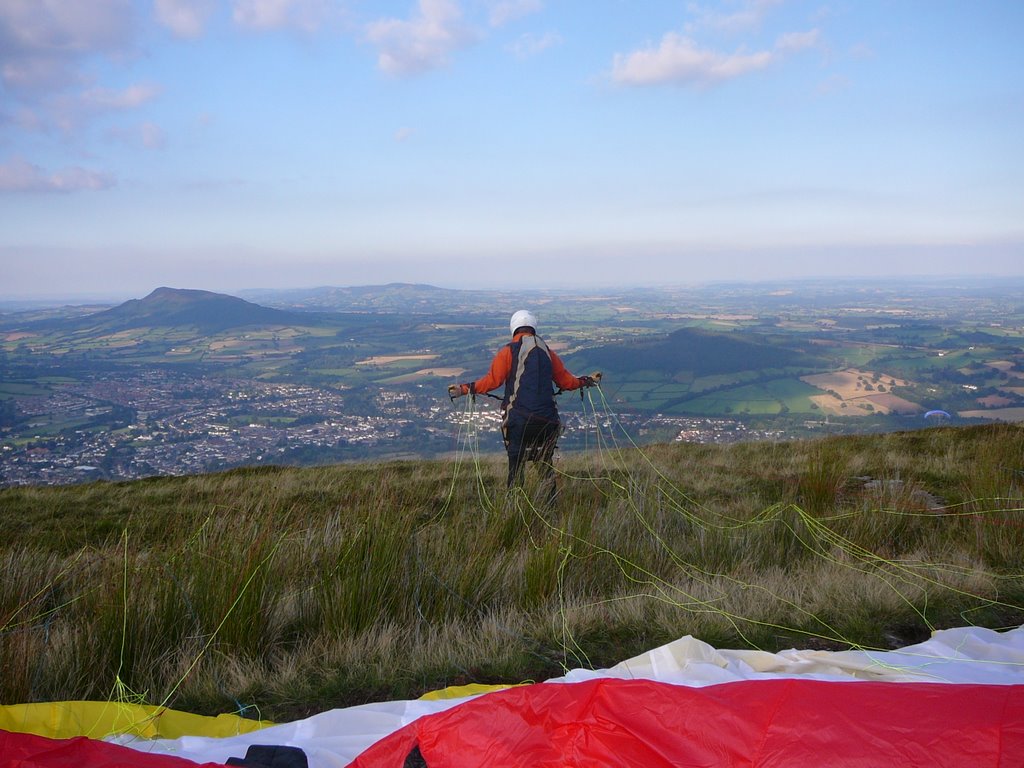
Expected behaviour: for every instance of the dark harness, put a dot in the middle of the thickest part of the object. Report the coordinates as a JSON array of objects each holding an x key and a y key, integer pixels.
[{"x": 528, "y": 391}]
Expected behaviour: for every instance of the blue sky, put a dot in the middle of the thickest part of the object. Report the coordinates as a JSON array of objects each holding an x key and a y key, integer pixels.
[{"x": 231, "y": 144}]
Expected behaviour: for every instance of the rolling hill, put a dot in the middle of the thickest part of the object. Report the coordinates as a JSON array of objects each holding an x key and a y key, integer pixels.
[{"x": 694, "y": 349}]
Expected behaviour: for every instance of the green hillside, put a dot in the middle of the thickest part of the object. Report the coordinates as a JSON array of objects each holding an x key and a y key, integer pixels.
[
  {"x": 290, "y": 591},
  {"x": 695, "y": 350},
  {"x": 697, "y": 372}
]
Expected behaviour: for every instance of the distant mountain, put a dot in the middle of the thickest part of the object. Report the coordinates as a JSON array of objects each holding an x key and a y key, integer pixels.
[{"x": 178, "y": 307}]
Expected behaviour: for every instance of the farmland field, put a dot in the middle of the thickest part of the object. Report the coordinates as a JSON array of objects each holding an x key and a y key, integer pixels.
[
  {"x": 767, "y": 398},
  {"x": 997, "y": 414}
]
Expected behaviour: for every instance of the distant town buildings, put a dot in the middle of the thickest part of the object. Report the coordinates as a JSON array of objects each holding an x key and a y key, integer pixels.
[{"x": 159, "y": 422}]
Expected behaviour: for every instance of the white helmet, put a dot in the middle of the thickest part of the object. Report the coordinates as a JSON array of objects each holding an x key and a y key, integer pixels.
[{"x": 523, "y": 317}]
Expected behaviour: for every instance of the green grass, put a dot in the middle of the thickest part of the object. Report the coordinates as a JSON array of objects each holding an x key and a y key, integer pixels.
[
  {"x": 671, "y": 390},
  {"x": 793, "y": 392},
  {"x": 705, "y": 383},
  {"x": 768, "y": 398},
  {"x": 11, "y": 389},
  {"x": 298, "y": 590}
]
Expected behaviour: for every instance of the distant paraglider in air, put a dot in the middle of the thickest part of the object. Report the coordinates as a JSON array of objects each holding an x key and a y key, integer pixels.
[{"x": 938, "y": 416}]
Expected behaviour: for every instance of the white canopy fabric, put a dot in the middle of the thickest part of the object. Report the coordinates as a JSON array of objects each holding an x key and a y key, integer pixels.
[
  {"x": 333, "y": 739},
  {"x": 965, "y": 655}
]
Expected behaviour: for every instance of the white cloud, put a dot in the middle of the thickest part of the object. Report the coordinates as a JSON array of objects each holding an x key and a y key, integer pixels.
[
  {"x": 530, "y": 45},
  {"x": 19, "y": 175},
  {"x": 421, "y": 43},
  {"x": 23, "y": 119},
  {"x": 60, "y": 26},
  {"x": 679, "y": 60},
  {"x": 304, "y": 15},
  {"x": 504, "y": 11},
  {"x": 185, "y": 18},
  {"x": 749, "y": 15},
  {"x": 45, "y": 46},
  {"x": 69, "y": 112},
  {"x": 42, "y": 41},
  {"x": 262, "y": 14},
  {"x": 126, "y": 98},
  {"x": 798, "y": 41},
  {"x": 28, "y": 73}
]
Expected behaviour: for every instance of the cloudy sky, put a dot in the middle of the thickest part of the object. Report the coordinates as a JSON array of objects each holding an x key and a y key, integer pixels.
[{"x": 230, "y": 144}]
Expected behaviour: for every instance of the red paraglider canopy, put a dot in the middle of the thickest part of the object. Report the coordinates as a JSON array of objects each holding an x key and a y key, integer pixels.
[
  {"x": 26, "y": 750},
  {"x": 765, "y": 723}
]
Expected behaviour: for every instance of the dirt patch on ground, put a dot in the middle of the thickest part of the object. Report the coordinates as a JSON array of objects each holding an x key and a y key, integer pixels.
[
  {"x": 1000, "y": 365},
  {"x": 853, "y": 382},
  {"x": 840, "y": 407},
  {"x": 441, "y": 372},
  {"x": 893, "y": 404},
  {"x": 444, "y": 373}
]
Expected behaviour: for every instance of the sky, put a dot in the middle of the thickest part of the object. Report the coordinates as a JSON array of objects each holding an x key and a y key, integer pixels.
[{"x": 234, "y": 144}]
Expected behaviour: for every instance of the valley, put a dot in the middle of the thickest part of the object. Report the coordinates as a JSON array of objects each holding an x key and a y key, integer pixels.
[{"x": 185, "y": 382}]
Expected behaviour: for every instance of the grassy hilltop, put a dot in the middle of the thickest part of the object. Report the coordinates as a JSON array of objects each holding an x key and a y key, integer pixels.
[{"x": 281, "y": 591}]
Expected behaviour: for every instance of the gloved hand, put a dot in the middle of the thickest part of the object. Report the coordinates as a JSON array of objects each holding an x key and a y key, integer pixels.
[
  {"x": 455, "y": 390},
  {"x": 592, "y": 380}
]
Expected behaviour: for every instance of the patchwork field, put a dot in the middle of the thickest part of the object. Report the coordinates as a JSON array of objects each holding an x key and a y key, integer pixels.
[
  {"x": 995, "y": 414},
  {"x": 768, "y": 398},
  {"x": 996, "y": 401},
  {"x": 444, "y": 373},
  {"x": 388, "y": 359},
  {"x": 853, "y": 392}
]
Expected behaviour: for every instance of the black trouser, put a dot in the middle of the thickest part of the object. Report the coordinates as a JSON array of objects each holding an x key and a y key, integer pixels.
[{"x": 531, "y": 440}]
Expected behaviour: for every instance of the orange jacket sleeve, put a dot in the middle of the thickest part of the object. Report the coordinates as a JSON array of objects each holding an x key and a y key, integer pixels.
[{"x": 562, "y": 377}]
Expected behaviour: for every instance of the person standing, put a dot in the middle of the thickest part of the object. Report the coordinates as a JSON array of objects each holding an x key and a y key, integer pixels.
[{"x": 529, "y": 371}]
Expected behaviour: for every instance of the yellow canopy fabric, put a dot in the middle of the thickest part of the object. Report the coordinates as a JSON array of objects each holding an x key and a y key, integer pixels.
[
  {"x": 97, "y": 719},
  {"x": 460, "y": 691}
]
